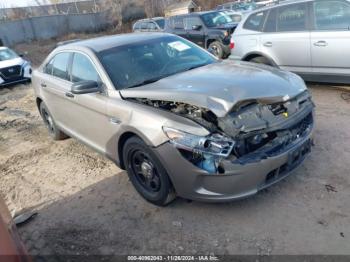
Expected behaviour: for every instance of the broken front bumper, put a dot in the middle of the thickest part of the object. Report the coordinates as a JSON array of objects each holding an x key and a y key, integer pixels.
[{"x": 239, "y": 180}]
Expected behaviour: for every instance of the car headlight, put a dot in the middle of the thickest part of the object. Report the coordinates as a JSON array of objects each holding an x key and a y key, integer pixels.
[{"x": 215, "y": 144}]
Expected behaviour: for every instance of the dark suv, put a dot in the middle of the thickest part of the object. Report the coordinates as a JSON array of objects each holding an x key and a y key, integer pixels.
[{"x": 210, "y": 30}]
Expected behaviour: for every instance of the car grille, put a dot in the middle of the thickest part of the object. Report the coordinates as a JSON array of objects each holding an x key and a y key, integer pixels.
[{"x": 11, "y": 72}]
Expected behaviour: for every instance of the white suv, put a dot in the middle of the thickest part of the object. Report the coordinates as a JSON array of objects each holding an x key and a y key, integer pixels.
[{"x": 311, "y": 38}]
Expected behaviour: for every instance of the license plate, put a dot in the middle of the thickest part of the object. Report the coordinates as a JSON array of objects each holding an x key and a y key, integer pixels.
[{"x": 298, "y": 155}]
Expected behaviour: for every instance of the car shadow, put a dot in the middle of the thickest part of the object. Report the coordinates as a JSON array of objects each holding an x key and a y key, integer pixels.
[{"x": 110, "y": 218}]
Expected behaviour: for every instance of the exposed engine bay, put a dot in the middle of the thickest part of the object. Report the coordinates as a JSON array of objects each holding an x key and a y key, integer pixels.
[{"x": 251, "y": 131}]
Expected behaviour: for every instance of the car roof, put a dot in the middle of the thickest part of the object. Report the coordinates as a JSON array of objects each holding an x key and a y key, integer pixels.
[
  {"x": 280, "y": 3},
  {"x": 196, "y": 13},
  {"x": 106, "y": 42},
  {"x": 150, "y": 19}
]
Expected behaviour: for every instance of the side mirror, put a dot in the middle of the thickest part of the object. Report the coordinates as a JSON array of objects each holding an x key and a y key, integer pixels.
[
  {"x": 85, "y": 87},
  {"x": 196, "y": 27},
  {"x": 23, "y": 54}
]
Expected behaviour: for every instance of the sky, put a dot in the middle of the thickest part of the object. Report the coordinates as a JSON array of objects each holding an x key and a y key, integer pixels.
[
  {"x": 21, "y": 3},
  {"x": 15, "y": 3}
]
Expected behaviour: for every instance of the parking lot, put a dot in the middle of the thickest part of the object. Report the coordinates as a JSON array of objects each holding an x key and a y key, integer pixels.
[{"x": 86, "y": 205}]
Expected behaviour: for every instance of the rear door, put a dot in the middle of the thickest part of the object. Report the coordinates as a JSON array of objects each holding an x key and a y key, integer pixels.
[
  {"x": 55, "y": 84},
  {"x": 195, "y": 30},
  {"x": 287, "y": 37},
  {"x": 178, "y": 26},
  {"x": 330, "y": 39}
]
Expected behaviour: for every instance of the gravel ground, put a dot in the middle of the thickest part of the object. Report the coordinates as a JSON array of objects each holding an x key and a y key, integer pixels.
[{"x": 86, "y": 205}]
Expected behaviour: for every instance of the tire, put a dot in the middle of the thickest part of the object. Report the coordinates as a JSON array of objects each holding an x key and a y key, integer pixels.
[
  {"x": 146, "y": 173},
  {"x": 217, "y": 48},
  {"x": 54, "y": 132},
  {"x": 261, "y": 60}
]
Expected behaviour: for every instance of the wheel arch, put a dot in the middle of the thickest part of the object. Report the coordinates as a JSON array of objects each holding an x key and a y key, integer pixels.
[
  {"x": 121, "y": 142},
  {"x": 38, "y": 101},
  {"x": 252, "y": 55},
  {"x": 209, "y": 41},
  {"x": 122, "y": 138}
]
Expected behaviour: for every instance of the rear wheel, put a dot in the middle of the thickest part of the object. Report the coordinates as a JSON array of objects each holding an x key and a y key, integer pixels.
[
  {"x": 261, "y": 60},
  {"x": 54, "y": 132},
  {"x": 146, "y": 173},
  {"x": 217, "y": 49}
]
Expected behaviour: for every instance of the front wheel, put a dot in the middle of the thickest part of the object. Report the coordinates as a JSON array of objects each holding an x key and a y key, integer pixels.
[
  {"x": 217, "y": 49},
  {"x": 146, "y": 173}
]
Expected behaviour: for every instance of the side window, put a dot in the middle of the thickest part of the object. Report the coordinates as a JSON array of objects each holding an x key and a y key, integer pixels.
[
  {"x": 48, "y": 67},
  {"x": 270, "y": 24},
  {"x": 178, "y": 23},
  {"x": 144, "y": 25},
  {"x": 191, "y": 21},
  {"x": 227, "y": 6},
  {"x": 83, "y": 69},
  {"x": 255, "y": 22},
  {"x": 332, "y": 15},
  {"x": 60, "y": 65},
  {"x": 292, "y": 18},
  {"x": 151, "y": 26}
]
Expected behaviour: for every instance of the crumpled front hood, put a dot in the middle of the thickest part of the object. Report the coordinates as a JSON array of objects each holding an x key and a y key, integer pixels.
[
  {"x": 11, "y": 62},
  {"x": 220, "y": 86}
]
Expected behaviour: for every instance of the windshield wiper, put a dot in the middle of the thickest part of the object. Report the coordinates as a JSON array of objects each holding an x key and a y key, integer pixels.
[
  {"x": 147, "y": 81},
  {"x": 155, "y": 79}
]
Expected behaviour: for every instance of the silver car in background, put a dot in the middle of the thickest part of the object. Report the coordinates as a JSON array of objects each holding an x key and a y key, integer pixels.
[
  {"x": 155, "y": 24},
  {"x": 311, "y": 38}
]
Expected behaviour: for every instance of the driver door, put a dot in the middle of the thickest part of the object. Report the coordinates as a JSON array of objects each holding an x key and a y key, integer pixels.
[
  {"x": 195, "y": 30},
  {"x": 87, "y": 116}
]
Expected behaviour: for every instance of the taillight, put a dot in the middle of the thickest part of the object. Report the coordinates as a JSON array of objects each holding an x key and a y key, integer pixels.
[{"x": 232, "y": 43}]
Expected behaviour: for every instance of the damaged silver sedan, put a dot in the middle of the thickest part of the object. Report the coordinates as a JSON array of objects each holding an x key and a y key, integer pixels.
[{"x": 179, "y": 121}]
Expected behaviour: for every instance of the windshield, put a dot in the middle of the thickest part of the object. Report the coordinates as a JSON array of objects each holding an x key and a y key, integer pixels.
[
  {"x": 235, "y": 17},
  {"x": 244, "y": 7},
  {"x": 216, "y": 19},
  {"x": 148, "y": 61},
  {"x": 161, "y": 23},
  {"x": 7, "y": 54}
]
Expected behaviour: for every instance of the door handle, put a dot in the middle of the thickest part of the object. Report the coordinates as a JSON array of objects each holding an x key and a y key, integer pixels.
[
  {"x": 268, "y": 44},
  {"x": 114, "y": 121},
  {"x": 43, "y": 85},
  {"x": 70, "y": 95},
  {"x": 321, "y": 43}
]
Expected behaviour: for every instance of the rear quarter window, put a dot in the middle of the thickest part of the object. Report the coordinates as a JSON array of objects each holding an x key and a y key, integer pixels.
[{"x": 255, "y": 21}]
